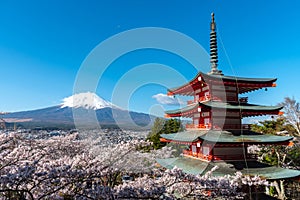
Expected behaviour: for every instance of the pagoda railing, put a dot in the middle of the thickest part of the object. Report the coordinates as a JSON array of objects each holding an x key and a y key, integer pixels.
[
  {"x": 205, "y": 157},
  {"x": 187, "y": 152},
  {"x": 208, "y": 97},
  {"x": 225, "y": 127},
  {"x": 220, "y": 157},
  {"x": 198, "y": 126},
  {"x": 197, "y": 155},
  {"x": 204, "y": 98}
]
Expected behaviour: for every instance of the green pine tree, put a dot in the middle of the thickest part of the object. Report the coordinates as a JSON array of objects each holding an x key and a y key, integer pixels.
[{"x": 162, "y": 126}]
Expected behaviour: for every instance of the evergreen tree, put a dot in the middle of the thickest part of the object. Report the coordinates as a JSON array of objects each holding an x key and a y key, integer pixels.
[
  {"x": 279, "y": 155},
  {"x": 275, "y": 126},
  {"x": 162, "y": 126}
]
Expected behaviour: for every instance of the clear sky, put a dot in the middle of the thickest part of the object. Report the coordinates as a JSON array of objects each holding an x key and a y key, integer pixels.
[{"x": 43, "y": 44}]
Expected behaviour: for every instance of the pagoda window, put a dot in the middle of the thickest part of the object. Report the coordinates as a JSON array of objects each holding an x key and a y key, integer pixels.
[
  {"x": 194, "y": 149},
  {"x": 205, "y": 151},
  {"x": 205, "y": 114},
  {"x": 198, "y": 91},
  {"x": 206, "y": 121}
]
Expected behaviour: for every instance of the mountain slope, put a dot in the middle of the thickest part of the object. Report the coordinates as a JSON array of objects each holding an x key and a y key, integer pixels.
[{"x": 85, "y": 108}]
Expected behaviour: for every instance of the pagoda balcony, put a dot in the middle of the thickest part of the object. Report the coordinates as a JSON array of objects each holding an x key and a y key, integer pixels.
[
  {"x": 197, "y": 155},
  {"x": 219, "y": 157},
  {"x": 225, "y": 127},
  {"x": 201, "y": 99},
  {"x": 204, "y": 98},
  {"x": 187, "y": 152},
  {"x": 198, "y": 126}
]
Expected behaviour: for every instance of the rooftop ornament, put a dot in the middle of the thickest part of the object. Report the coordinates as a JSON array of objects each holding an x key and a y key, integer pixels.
[{"x": 213, "y": 48}]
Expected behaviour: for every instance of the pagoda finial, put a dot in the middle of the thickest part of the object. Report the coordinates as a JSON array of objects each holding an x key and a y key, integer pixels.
[
  {"x": 212, "y": 24},
  {"x": 213, "y": 48}
]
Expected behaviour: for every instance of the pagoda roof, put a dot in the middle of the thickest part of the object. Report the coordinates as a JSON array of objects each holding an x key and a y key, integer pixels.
[
  {"x": 185, "y": 136},
  {"x": 188, "y": 108},
  {"x": 219, "y": 136},
  {"x": 240, "y": 79},
  {"x": 239, "y": 106},
  {"x": 250, "y": 109},
  {"x": 242, "y": 82},
  {"x": 196, "y": 166}
]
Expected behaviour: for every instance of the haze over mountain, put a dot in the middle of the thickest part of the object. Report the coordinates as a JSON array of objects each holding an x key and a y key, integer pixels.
[{"x": 86, "y": 109}]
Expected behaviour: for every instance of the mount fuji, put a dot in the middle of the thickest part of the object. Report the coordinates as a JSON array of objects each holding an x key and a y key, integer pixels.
[
  {"x": 83, "y": 108},
  {"x": 86, "y": 100}
]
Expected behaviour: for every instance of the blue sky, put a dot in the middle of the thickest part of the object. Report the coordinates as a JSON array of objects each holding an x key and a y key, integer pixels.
[{"x": 43, "y": 45}]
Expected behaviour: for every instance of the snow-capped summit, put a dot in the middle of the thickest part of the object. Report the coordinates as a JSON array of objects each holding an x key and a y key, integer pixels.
[{"x": 87, "y": 100}]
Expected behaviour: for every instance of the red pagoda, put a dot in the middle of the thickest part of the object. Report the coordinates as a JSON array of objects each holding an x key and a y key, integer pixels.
[{"x": 216, "y": 135}]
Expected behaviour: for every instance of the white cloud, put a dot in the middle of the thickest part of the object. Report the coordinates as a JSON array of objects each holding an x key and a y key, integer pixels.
[{"x": 168, "y": 100}]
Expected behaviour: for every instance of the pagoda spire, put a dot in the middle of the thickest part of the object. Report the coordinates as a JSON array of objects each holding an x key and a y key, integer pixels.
[{"x": 213, "y": 48}]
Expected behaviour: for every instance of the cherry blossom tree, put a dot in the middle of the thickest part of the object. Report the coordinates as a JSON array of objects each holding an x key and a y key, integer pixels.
[
  {"x": 68, "y": 168},
  {"x": 291, "y": 110},
  {"x": 175, "y": 184}
]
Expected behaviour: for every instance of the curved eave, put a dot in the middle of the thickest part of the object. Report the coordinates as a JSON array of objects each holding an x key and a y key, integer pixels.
[
  {"x": 246, "y": 89},
  {"x": 242, "y": 79},
  {"x": 249, "y": 139},
  {"x": 185, "y": 89},
  {"x": 272, "y": 173},
  {"x": 196, "y": 167},
  {"x": 261, "y": 113},
  {"x": 187, "y": 111},
  {"x": 216, "y": 136},
  {"x": 244, "y": 84},
  {"x": 184, "y": 136},
  {"x": 247, "y": 110}
]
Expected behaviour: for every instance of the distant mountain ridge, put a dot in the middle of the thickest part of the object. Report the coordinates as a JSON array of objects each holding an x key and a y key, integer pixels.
[{"x": 86, "y": 108}]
